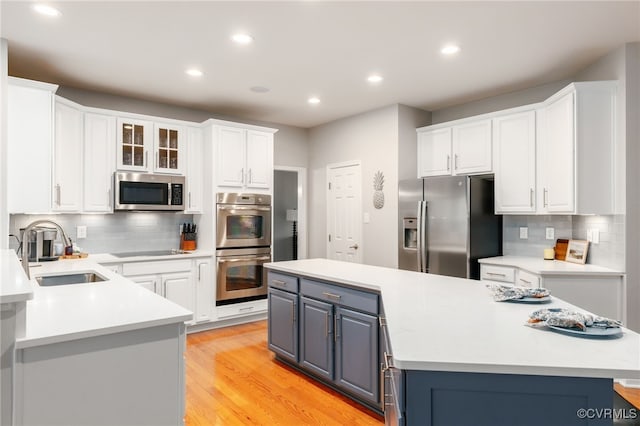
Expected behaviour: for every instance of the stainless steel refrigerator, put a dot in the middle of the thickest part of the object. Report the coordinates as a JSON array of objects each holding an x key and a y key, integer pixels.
[{"x": 446, "y": 224}]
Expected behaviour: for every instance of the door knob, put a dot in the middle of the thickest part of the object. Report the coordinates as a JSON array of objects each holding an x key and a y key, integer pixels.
[{"x": 355, "y": 246}]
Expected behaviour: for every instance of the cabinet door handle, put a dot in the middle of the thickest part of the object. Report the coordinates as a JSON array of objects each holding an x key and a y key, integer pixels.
[
  {"x": 293, "y": 312},
  {"x": 242, "y": 174},
  {"x": 279, "y": 282},
  {"x": 199, "y": 268},
  {"x": 531, "y": 197},
  {"x": 157, "y": 159},
  {"x": 336, "y": 328},
  {"x": 495, "y": 274},
  {"x": 58, "y": 194},
  {"x": 326, "y": 326},
  {"x": 146, "y": 158},
  {"x": 545, "y": 198},
  {"x": 189, "y": 199},
  {"x": 332, "y": 296},
  {"x": 455, "y": 160},
  {"x": 448, "y": 163}
]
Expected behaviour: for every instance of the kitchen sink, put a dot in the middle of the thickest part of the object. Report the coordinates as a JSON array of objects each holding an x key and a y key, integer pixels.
[{"x": 77, "y": 278}]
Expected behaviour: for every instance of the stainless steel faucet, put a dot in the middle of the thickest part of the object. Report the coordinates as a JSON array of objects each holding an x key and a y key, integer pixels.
[{"x": 25, "y": 242}]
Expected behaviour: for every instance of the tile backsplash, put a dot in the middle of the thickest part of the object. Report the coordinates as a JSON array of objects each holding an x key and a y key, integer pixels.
[
  {"x": 114, "y": 233},
  {"x": 609, "y": 252}
]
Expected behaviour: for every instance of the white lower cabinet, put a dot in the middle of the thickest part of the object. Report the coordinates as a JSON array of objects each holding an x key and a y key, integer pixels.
[
  {"x": 172, "y": 279},
  {"x": 600, "y": 294},
  {"x": 187, "y": 282}
]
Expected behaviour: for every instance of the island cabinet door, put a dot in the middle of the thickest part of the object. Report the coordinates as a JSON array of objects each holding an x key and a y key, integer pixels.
[
  {"x": 356, "y": 336},
  {"x": 283, "y": 324},
  {"x": 316, "y": 337}
]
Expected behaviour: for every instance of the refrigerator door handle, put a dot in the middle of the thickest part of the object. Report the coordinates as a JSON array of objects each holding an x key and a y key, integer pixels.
[
  {"x": 423, "y": 257},
  {"x": 419, "y": 239},
  {"x": 425, "y": 242}
]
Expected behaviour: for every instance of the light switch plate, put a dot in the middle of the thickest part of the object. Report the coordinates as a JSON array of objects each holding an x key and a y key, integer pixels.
[
  {"x": 524, "y": 232},
  {"x": 81, "y": 231},
  {"x": 550, "y": 233},
  {"x": 595, "y": 236},
  {"x": 366, "y": 218}
]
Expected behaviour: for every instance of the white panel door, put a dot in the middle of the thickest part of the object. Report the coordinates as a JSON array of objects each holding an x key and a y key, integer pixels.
[
  {"x": 231, "y": 156},
  {"x": 434, "y": 152},
  {"x": 180, "y": 289},
  {"x": 150, "y": 282},
  {"x": 558, "y": 159},
  {"x": 344, "y": 207},
  {"x": 99, "y": 162},
  {"x": 472, "y": 148},
  {"x": 514, "y": 137}
]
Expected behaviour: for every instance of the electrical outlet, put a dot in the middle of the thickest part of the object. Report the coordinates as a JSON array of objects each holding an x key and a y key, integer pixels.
[
  {"x": 524, "y": 232},
  {"x": 550, "y": 234},
  {"x": 590, "y": 235},
  {"x": 81, "y": 231}
]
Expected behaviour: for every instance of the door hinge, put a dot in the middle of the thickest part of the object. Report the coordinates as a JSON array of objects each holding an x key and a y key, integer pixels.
[{"x": 329, "y": 237}]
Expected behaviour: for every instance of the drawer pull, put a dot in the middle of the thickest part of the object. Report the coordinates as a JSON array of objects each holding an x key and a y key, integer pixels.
[
  {"x": 525, "y": 281},
  {"x": 280, "y": 282},
  {"x": 332, "y": 296},
  {"x": 246, "y": 309},
  {"x": 495, "y": 274}
]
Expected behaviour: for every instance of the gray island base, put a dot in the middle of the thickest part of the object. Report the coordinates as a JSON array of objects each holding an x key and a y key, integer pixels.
[{"x": 424, "y": 360}]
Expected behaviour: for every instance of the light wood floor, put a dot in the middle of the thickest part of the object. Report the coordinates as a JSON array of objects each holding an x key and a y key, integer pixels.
[
  {"x": 630, "y": 394},
  {"x": 232, "y": 379}
]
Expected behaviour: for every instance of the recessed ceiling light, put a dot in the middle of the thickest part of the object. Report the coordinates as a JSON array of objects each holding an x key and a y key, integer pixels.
[
  {"x": 241, "y": 38},
  {"x": 43, "y": 9},
  {"x": 193, "y": 72},
  {"x": 259, "y": 89},
  {"x": 314, "y": 100},
  {"x": 450, "y": 49},
  {"x": 374, "y": 78}
]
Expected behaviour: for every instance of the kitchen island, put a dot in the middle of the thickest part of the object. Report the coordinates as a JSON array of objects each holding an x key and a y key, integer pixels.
[
  {"x": 456, "y": 356},
  {"x": 108, "y": 352}
]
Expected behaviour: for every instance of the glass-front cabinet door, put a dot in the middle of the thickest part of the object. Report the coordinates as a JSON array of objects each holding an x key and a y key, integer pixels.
[
  {"x": 169, "y": 148},
  {"x": 134, "y": 142}
]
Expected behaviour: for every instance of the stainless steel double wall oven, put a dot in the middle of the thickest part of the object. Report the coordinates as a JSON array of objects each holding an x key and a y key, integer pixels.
[{"x": 243, "y": 245}]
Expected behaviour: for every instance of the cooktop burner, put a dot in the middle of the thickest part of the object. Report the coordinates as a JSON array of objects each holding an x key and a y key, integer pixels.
[{"x": 148, "y": 253}]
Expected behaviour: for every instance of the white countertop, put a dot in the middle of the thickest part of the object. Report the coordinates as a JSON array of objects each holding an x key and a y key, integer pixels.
[
  {"x": 14, "y": 284},
  {"x": 540, "y": 266},
  {"x": 451, "y": 324},
  {"x": 75, "y": 311}
]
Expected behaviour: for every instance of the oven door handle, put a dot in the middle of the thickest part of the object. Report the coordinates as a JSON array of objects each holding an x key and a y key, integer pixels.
[
  {"x": 231, "y": 208},
  {"x": 222, "y": 260}
]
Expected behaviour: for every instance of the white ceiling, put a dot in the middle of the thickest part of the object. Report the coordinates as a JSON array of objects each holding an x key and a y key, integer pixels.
[{"x": 305, "y": 48}]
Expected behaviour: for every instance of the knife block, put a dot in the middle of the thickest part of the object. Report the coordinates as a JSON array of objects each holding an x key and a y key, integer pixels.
[{"x": 188, "y": 241}]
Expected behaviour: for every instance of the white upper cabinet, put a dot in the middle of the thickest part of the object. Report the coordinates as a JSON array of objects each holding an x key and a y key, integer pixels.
[
  {"x": 135, "y": 140},
  {"x": 231, "y": 156},
  {"x": 99, "y": 162},
  {"x": 455, "y": 150},
  {"x": 514, "y": 138},
  {"x": 434, "y": 152},
  {"x": 244, "y": 159},
  {"x": 259, "y": 159},
  {"x": 29, "y": 145},
  {"x": 194, "y": 172},
  {"x": 576, "y": 146},
  {"x": 67, "y": 157},
  {"x": 472, "y": 148},
  {"x": 169, "y": 143}
]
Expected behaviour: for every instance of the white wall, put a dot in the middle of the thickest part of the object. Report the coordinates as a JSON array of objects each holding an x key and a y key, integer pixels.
[
  {"x": 371, "y": 138},
  {"x": 382, "y": 140}
]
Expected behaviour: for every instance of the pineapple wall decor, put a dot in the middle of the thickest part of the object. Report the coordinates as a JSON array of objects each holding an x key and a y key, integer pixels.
[{"x": 378, "y": 195}]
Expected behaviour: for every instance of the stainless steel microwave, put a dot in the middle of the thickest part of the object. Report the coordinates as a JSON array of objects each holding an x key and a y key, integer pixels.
[{"x": 143, "y": 191}]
